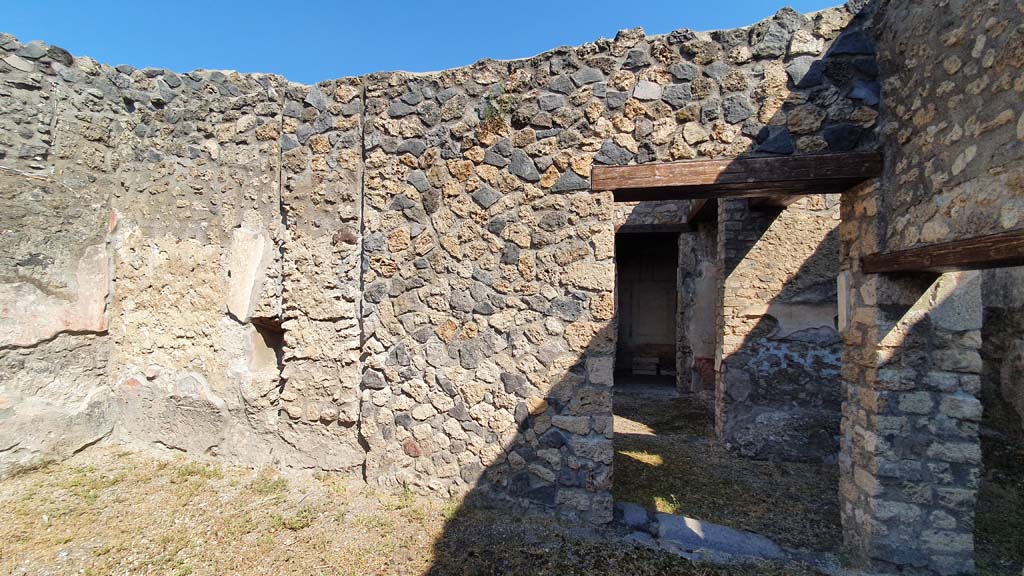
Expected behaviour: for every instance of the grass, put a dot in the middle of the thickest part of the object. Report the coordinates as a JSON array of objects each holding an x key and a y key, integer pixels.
[
  {"x": 665, "y": 460},
  {"x": 106, "y": 512},
  {"x": 999, "y": 520}
]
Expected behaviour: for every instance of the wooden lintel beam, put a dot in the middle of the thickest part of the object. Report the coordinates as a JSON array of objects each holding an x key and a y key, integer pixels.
[
  {"x": 778, "y": 188},
  {"x": 992, "y": 251},
  {"x": 857, "y": 166}
]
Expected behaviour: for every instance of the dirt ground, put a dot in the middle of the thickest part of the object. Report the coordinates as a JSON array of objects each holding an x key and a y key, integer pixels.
[
  {"x": 108, "y": 511},
  {"x": 999, "y": 519},
  {"x": 666, "y": 459}
]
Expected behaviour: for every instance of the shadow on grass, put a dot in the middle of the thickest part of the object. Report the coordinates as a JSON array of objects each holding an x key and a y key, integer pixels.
[{"x": 667, "y": 459}]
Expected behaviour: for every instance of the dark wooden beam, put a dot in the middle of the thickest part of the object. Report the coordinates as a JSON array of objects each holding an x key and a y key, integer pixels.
[
  {"x": 992, "y": 251},
  {"x": 652, "y": 228},
  {"x": 784, "y": 188},
  {"x": 740, "y": 177}
]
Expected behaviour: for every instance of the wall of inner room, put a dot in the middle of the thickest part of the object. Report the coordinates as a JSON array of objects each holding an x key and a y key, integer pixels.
[
  {"x": 778, "y": 389},
  {"x": 645, "y": 283},
  {"x": 697, "y": 293},
  {"x": 1002, "y": 352}
]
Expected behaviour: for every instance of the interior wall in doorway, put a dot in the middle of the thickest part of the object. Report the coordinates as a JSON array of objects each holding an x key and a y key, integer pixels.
[
  {"x": 646, "y": 269},
  {"x": 696, "y": 330}
]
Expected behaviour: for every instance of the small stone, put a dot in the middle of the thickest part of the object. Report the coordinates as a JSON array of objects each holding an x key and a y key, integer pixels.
[
  {"x": 677, "y": 95},
  {"x": 805, "y": 42},
  {"x": 841, "y": 137},
  {"x": 561, "y": 84},
  {"x": 418, "y": 180},
  {"x": 636, "y": 59},
  {"x": 853, "y": 42},
  {"x": 775, "y": 140},
  {"x": 613, "y": 154},
  {"x": 773, "y": 44},
  {"x": 952, "y": 64},
  {"x": 737, "y": 109},
  {"x": 550, "y": 102},
  {"x": 485, "y": 197},
  {"x": 19, "y": 63},
  {"x": 33, "y": 50},
  {"x": 615, "y": 100},
  {"x": 374, "y": 380},
  {"x": 570, "y": 181},
  {"x": 412, "y": 146},
  {"x": 587, "y": 75},
  {"x": 806, "y": 71},
  {"x": 647, "y": 90},
  {"x": 694, "y": 133},
  {"x": 492, "y": 158},
  {"x": 314, "y": 98},
  {"x": 523, "y": 166},
  {"x": 636, "y": 517},
  {"x": 398, "y": 109},
  {"x": 683, "y": 71},
  {"x": 867, "y": 92}
]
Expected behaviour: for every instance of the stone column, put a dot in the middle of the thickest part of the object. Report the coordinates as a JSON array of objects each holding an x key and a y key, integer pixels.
[{"x": 910, "y": 457}]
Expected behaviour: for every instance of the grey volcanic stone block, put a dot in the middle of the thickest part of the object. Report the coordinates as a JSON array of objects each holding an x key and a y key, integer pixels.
[
  {"x": 806, "y": 71},
  {"x": 570, "y": 181},
  {"x": 642, "y": 539},
  {"x": 587, "y": 76},
  {"x": 690, "y": 534},
  {"x": 775, "y": 140},
  {"x": 523, "y": 166},
  {"x": 632, "y": 515},
  {"x": 853, "y": 42},
  {"x": 610, "y": 153}
]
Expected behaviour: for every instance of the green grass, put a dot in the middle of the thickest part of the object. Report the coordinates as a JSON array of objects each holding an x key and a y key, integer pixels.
[
  {"x": 999, "y": 518},
  {"x": 267, "y": 483}
]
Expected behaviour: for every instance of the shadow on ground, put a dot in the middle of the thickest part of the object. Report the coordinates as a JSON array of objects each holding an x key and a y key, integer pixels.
[{"x": 666, "y": 459}]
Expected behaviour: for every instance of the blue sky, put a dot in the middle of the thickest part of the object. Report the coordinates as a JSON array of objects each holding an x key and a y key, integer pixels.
[{"x": 311, "y": 41}]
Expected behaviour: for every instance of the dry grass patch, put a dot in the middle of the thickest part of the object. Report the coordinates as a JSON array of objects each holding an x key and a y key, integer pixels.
[{"x": 112, "y": 512}]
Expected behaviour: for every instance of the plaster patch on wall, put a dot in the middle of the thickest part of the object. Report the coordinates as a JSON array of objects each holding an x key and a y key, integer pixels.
[{"x": 30, "y": 314}]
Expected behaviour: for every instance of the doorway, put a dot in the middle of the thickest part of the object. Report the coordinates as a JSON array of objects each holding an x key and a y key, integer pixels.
[{"x": 646, "y": 269}]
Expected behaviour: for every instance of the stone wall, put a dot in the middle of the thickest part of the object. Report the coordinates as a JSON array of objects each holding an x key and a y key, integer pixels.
[
  {"x": 404, "y": 275},
  {"x": 1002, "y": 351},
  {"x": 54, "y": 268},
  {"x": 778, "y": 390},
  {"x": 697, "y": 292},
  {"x": 951, "y": 125},
  {"x": 954, "y": 124}
]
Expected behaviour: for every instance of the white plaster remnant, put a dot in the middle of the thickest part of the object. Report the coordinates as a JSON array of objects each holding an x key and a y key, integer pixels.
[
  {"x": 247, "y": 267},
  {"x": 29, "y": 315}
]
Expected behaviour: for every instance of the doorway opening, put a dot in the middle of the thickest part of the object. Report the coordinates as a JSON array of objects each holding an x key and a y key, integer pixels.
[{"x": 646, "y": 267}]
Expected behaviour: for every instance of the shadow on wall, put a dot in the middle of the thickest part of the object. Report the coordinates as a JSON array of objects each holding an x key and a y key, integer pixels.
[
  {"x": 911, "y": 419},
  {"x": 559, "y": 458},
  {"x": 779, "y": 389}
]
